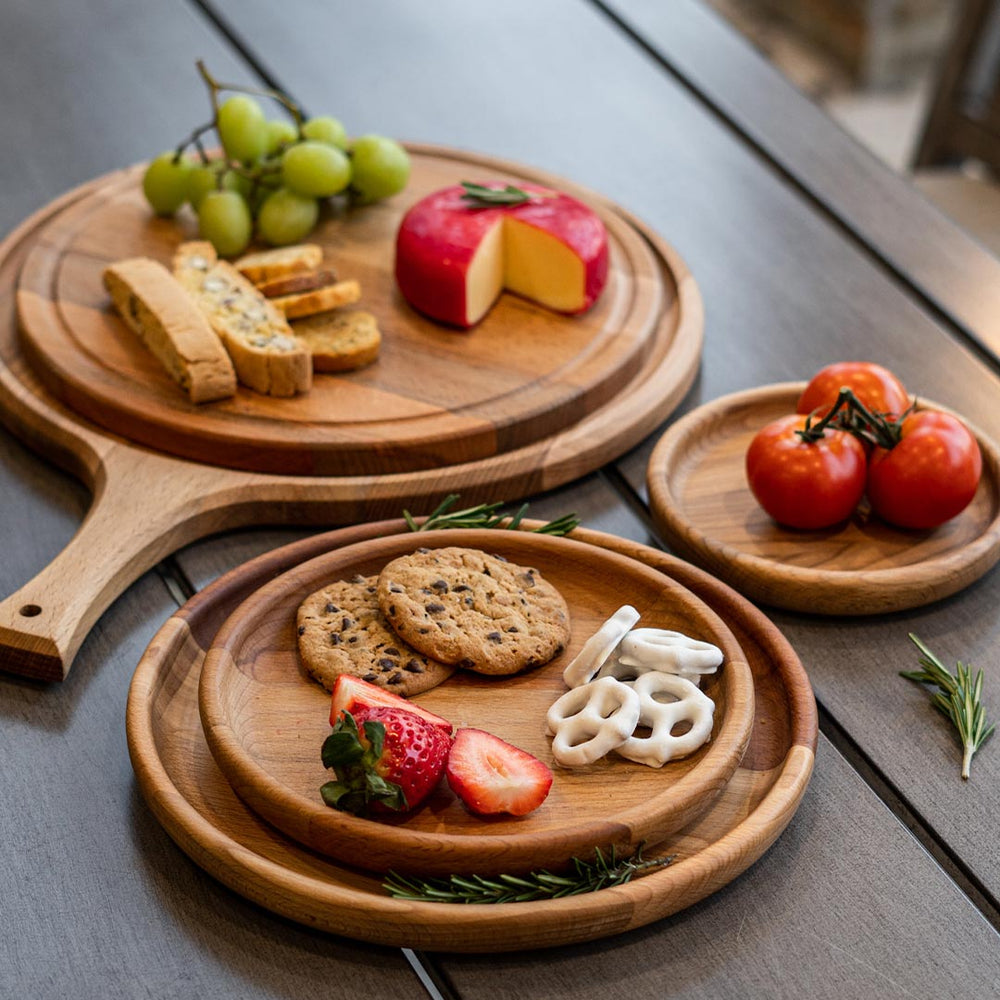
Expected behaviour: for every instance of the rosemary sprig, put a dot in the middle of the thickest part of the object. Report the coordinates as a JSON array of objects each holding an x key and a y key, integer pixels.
[
  {"x": 479, "y": 196},
  {"x": 485, "y": 515},
  {"x": 958, "y": 697},
  {"x": 586, "y": 876}
]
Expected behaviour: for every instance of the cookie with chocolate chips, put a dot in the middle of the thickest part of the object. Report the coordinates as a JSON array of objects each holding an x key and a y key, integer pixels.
[
  {"x": 474, "y": 610},
  {"x": 342, "y": 631}
]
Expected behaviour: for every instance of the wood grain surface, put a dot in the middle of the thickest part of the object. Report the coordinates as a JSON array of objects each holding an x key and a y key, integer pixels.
[
  {"x": 265, "y": 719},
  {"x": 193, "y": 800},
  {"x": 435, "y": 397},
  {"x": 701, "y": 502},
  {"x": 136, "y": 519}
]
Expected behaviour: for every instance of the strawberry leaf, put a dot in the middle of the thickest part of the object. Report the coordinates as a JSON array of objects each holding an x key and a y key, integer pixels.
[{"x": 354, "y": 760}]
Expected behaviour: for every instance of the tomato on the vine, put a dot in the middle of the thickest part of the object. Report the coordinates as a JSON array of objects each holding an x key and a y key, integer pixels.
[
  {"x": 805, "y": 484},
  {"x": 929, "y": 476},
  {"x": 875, "y": 386}
]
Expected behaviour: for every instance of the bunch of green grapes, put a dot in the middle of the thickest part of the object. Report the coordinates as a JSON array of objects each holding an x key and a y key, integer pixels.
[{"x": 271, "y": 174}]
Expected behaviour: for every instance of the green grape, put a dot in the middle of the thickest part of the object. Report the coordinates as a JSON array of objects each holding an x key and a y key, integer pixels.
[
  {"x": 242, "y": 128},
  {"x": 286, "y": 217},
  {"x": 224, "y": 220},
  {"x": 204, "y": 178},
  {"x": 165, "y": 183},
  {"x": 380, "y": 167},
  {"x": 326, "y": 129},
  {"x": 315, "y": 169},
  {"x": 279, "y": 133}
]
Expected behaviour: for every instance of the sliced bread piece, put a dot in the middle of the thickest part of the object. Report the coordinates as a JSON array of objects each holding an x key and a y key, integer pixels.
[
  {"x": 280, "y": 262},
  {"x": 334, "y": 296},
  {"x": 266, "y": 354},
  {"x": 340, "y": 341},
  {"x": 161, "y": 314}
]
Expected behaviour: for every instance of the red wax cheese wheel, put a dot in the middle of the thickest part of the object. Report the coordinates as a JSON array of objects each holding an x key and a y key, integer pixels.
[{"x": 453, "y": 259}]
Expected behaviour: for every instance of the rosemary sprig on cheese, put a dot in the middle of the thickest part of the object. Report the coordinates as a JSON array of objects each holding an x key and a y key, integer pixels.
[
  {"x": 485, "y": 515},
  {"x": 959, "y": 697},
  {"x": 584, "y": 876},
  {"x": 480, "y": 196}
]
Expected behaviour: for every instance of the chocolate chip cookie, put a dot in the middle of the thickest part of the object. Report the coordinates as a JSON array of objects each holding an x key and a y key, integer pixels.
[
  {"x": 474, "y": 610},
  {"x": 342, "y": 631}
]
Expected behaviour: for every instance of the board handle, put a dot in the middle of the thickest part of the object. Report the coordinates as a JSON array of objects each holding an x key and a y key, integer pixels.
[{"x": 44, "y": 623}]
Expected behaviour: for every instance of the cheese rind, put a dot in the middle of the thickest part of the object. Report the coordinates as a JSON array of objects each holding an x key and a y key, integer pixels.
[{"x": 453, "y": 259}]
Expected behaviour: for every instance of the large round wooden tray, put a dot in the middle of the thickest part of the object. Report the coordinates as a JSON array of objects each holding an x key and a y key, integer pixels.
[
  {"x": 148, "y": 503},
  {"x": 265, "y": 719},
  {"x": 189, "y": 795},
  {"x": 702, "y": 505},
  {"x": 435, "y": 397}
]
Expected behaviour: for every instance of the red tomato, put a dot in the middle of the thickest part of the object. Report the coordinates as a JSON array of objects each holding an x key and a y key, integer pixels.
[
  {"x": 930, "y": 476},
  {"x": 874, "y": 385},
  {"x": 805, "y": 485}
]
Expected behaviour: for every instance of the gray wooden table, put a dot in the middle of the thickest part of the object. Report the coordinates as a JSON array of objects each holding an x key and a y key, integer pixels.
[{"x": 806, "y": 251}]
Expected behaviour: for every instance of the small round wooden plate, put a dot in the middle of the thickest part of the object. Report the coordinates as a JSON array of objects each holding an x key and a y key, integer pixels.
[
  {"x": 265, "y": 720},
  {"x": 702, "y": 505},
  {"x": 436, "y": 396},
  {"x": 196, "y": 804}
]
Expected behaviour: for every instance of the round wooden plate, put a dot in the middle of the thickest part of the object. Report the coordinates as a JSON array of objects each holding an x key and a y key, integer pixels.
[
  {"x": 435, "y": 397},
  {"x": 701, "y": 503},
  {"x": 148, "y": 503},
  {"x": 196, "y": 804},
  {"x": 265, "y": 719}
]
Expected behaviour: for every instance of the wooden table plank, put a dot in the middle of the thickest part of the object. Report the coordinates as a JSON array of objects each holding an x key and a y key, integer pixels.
[
  {"x": 900, "y": 226},
  {"x": 841, "y": 906}
]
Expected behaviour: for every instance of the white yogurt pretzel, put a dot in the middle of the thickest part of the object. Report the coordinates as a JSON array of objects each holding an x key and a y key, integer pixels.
[
  {"x": 599, "y": 647},
  {"x": 690, "y": 705},
  {"x": 627, "y": 672},
  {"x": 591, "y": 720},
  {"x": 670, "y": 652}
]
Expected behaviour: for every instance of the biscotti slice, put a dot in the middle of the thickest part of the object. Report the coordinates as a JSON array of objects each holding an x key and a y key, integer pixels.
[
  {"x": 295, "y": 284},
  {"x": 157, "y": 309},
  {"x": 343, "y": 293},
  {"x": 279, "y": 262},
  {"x": 267, "y": 355},
  {"x": 340, "y": 342}
]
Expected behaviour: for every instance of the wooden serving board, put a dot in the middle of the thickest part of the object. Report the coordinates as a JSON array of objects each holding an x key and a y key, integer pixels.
[
  {"x": 189, "y": 795},
  {"x": 149, "y": 503},
  {"x": 701, "y": 503},
  {"x": 265, "y": 719},
  {"x": 436, "y": 396}
]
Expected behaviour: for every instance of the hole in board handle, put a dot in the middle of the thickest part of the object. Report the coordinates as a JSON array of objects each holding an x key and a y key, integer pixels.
[{"x": 30, "y": 611}]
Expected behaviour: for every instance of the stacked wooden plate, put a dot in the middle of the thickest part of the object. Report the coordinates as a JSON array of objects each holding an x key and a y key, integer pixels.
[{"x": 225, "y": 729}]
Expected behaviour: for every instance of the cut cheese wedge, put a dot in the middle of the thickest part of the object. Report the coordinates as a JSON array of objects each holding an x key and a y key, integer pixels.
[{"x": 453, "y": 259}]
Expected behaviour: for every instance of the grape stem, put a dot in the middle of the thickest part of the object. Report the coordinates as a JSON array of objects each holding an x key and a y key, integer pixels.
[
  {"x": 214, "y": 88},
  {"x": 194, "y": 139}
]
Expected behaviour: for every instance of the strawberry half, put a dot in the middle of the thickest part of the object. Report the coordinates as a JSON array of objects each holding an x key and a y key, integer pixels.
[
  {"x": 491, "y": 776},
  {"x": 385, "y": 759},
  {"x": 350, "y": 694}
]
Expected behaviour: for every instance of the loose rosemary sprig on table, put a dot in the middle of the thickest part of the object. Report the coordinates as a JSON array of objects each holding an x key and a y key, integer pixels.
[
  {"x": 485, "y": 515},
  {"x": 586, "y": 876},
  {"x": 958, "y": 697}
]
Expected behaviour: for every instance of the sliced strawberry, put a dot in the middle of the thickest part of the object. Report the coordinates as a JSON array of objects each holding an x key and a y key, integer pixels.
[
  {"x": 385, "y": 759},
  {"x": 350, "y": 694},
  {"x": 491, "y": 776}
]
